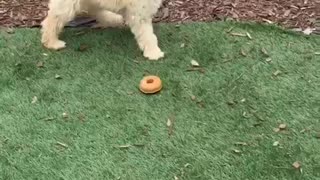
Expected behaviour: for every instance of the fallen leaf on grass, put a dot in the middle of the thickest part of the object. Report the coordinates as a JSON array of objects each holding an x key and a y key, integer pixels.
[
  {"x": 124, "y": 146},
  {"x": 57, "y": 76},
  {"x": 62, "y": 144},
  {"x": 276, "y": 143},
  {"x": 238, "y": 34},
  {"x": 308, "y": 31},
  {"x": 170, "y": 126},
  {"x": 182, "y": 45},
  {"x": 49, "y": 119},
  {"x": 267, "y": 21},
  {"x": 232, "y": 103},
  {"x": 201, "y": 104},
  {"x": 83, "y": 47},
  {"x": 34, "y": 100},
  {"x": 243, "y": 53},
  {"x": 249, "y": 35},
  {"x": 276, "y": 130},
  {"x": 264, "y": 51},
  {"x": 127, "y": 146},
  {"x": 268, "y": 60},
  {"x": 277, "y": 72},
  {"x": 176, "y": 178},
  {"x": 296, "y": 165},
  {"x": 65, "y": 115},
  {"x": 230, "y": 29},
  {"x": 236, "y": 151},
  {"x": 282, "y": 126},
  {"x": 193, "y": 98},
  {"x": 194, "y": 63},
  {"x": 241, "y": 144},
  {"x": 305, "y": 130},
  {"x": 245, "y": 115},
  {"x": 40, "y": 64}
]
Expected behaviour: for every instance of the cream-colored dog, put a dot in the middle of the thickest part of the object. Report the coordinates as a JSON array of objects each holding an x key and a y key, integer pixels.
[{"x": 137, "y": 14}]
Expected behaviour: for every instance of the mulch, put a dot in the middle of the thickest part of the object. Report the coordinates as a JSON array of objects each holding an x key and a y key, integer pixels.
[{"x": 288, "y": 13}]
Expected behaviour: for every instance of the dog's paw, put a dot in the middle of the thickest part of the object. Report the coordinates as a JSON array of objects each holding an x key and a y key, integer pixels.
[
  {"x": 55, "y": 45},
  {"x": 153, "y": 54}
]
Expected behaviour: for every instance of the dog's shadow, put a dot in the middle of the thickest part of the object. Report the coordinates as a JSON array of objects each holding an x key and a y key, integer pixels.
[{"x": 109, "y": 40}]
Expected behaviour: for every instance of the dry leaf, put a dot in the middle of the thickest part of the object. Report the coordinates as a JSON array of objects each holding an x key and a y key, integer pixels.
[
  {"x": 238, "y": 34},
  {"x": 193, "y": 98},
  {"x": 249, "y": 35},
  {"x": 194, "y": 63},
  {"x": 49, "y": 119},
  {"x": 264, "y": 51},
  {"x": 243, "y": 53},
  {"x": 304, "y": 130},
  {"x": 241, "y": 144},
  {"x": 276, "y": 130},
  {"x": 231, "y": 103},
  {"x": 57, "y": 76},
  {"x": 276, "y": 143},
  {"x": 169, "y": 123},
  {"x": 282, "y": 126},
  {"x": 268, "y": 60},
  {"x": 236, "y": 151},
  {"x": 296, "y": 165},
  {"x": 308, "y": 31},
  {"x": 40, "y": 64},
  {"x": 62, "y": 144},
  {"x": 34, "y": 100},
  {"x": 243, "y": 100},
  {"x": 65, "y": 115},
  {"x": 170, "y": 126},
  {"x": 278, "y": 72},
  {"x": 124, "y": 146},
  {"x": 182, "y": 45},
  {"x": 268, "y": 21},
  {"x": 83, "y": 47},
  {"x": 176, "y": 178},
  {"x": 230, "y": 29}
]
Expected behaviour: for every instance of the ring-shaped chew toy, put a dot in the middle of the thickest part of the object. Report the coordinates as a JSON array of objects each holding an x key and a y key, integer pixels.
[{"x": 150, "y": 84}]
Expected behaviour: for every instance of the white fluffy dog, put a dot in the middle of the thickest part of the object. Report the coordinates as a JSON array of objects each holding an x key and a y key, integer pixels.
[{"x": 137, "y": 14}]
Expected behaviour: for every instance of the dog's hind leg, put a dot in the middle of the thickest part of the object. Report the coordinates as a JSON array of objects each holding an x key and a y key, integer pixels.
[
  {"x": 60, "y": 13},
  {"x": 108, "y": 19}
]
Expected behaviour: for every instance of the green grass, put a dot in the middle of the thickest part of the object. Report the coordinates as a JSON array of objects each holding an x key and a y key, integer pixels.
[{"x": 99, "y": 92}]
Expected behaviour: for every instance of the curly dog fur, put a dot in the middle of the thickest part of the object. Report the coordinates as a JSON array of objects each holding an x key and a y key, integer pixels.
[{"x": 137, "y": 14}]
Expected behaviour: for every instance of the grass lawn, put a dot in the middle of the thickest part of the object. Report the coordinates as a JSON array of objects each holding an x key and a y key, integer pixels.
[{"x": 223, "y": 117}]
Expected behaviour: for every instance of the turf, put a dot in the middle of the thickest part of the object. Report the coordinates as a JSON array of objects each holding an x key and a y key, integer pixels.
[{"x": 246, "y": 89}]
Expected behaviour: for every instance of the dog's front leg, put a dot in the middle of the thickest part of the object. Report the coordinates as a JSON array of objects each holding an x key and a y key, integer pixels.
[{"x": 142, "y": 28}]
